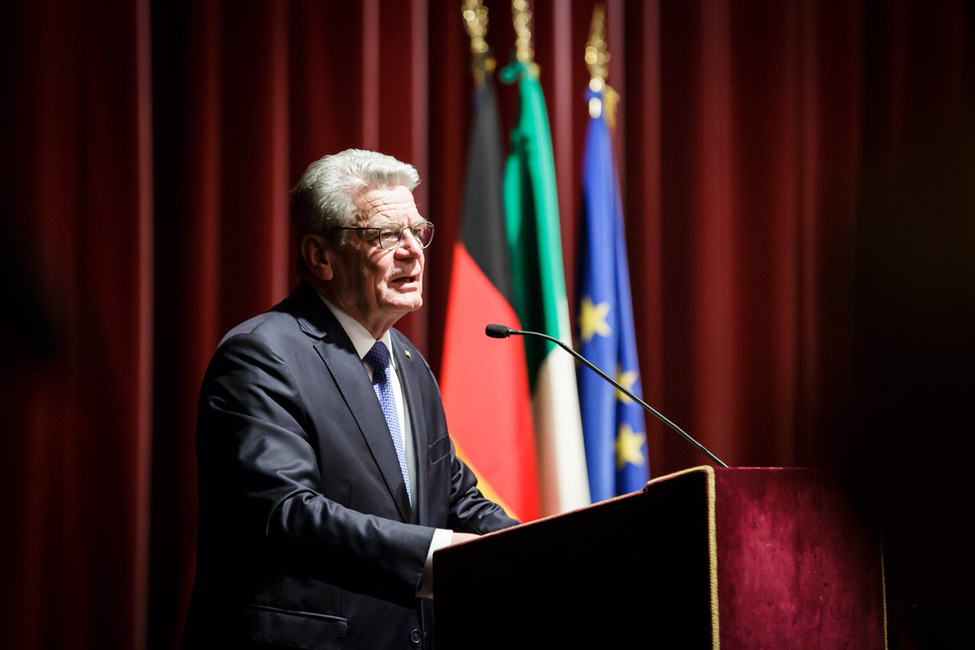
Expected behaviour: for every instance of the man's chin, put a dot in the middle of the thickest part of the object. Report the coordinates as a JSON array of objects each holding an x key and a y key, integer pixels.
[{"x": 405, "y": 303}]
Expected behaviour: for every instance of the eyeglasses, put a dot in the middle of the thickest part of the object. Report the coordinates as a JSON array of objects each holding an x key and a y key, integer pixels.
[{"x": 391, "y": 234}]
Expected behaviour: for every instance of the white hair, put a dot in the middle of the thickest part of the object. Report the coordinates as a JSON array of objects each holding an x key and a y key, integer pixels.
[{"x": 324, "y": 197}]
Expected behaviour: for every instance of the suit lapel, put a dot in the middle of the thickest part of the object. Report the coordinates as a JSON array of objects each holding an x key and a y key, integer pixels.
[{"x": 352, "y": 381}]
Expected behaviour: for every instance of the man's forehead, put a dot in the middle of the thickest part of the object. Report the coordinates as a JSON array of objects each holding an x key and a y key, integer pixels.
[{"x": 387, "y": 204}]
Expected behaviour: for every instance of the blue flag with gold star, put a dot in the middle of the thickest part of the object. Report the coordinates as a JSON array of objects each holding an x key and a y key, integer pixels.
[{"x": 613, "y": 425}]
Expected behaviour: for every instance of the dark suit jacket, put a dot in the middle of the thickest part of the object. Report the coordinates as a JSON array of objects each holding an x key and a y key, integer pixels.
[{"x": 306, "y": 537}]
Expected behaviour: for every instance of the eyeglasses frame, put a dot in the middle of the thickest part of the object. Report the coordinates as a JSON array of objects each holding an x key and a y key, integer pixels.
[{"x": 402, "y": 229}]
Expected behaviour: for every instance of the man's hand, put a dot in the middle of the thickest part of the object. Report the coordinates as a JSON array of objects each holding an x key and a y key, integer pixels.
[{"x": 426, "y": 583}]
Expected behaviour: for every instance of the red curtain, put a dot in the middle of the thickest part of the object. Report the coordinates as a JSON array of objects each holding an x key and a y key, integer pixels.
[
  {"x": 77, "y": 346},
  {"x": 797, "y": 182}
]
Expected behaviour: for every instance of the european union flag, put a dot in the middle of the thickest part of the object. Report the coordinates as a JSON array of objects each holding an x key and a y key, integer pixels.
[{"x": 613, "y": 425}]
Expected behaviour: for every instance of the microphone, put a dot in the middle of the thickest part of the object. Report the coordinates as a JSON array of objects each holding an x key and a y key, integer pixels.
[
  {"x": 502, "y": 332},
  {"x": 499, "y": 331}
]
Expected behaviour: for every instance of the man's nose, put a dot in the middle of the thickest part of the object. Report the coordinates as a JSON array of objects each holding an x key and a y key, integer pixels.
[{"x": 410, "y": 244}]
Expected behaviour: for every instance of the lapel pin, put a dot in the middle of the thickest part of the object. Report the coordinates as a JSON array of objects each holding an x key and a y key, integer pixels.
[{"x": 407, "y": 353}]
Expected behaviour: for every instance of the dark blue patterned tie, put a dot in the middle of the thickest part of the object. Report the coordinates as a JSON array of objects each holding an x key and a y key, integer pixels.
[{"x": 378, "y": 359}]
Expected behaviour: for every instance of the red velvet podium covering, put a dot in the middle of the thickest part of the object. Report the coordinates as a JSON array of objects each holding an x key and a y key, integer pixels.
[{"x": 705, "y": 558}]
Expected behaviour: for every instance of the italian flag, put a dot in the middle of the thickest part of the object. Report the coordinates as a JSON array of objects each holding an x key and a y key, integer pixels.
[{"x": 535, "y": 243}]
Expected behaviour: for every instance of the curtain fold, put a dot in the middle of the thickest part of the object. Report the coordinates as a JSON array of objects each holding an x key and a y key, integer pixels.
[{"x": 795, "y": 179}]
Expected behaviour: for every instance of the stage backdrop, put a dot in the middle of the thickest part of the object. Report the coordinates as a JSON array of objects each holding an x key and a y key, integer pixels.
[{"x": 797, "y": 196}]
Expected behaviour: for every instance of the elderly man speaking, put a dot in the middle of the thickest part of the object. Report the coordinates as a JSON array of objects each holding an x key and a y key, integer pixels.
[{"x": 326, "y": 475}]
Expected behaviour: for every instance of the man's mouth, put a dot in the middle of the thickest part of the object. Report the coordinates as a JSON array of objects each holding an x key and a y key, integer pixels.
[{"x": 405, "y": 280}]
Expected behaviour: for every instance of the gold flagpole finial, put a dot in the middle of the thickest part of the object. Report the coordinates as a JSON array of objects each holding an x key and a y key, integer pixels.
[
  {"x": 597, "y": 60},
  {"x": 597, "y": 54},
  {"x": 475, "y": 16},
  {"x": 476, "y": 21},
  {"x": 522, "y": 17}
]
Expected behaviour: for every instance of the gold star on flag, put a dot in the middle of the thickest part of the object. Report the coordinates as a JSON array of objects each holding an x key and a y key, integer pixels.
[
  {"x": 592, "y": 319},
  {"x": 629, "y": 447},
  {"x": 627, "y": 379}
]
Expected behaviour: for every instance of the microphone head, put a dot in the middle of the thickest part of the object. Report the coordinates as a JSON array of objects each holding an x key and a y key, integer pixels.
[{"x": 497, "y": 331}]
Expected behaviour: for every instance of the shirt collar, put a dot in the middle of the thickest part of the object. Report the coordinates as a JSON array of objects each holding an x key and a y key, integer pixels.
[{"x": 361, "y": 339}]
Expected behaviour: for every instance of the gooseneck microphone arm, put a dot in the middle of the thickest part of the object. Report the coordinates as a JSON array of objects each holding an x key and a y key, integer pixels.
[{"x": 503, "y": 332}]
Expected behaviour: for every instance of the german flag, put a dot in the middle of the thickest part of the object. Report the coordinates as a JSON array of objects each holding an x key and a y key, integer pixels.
[{"x": 485, "y": 383}]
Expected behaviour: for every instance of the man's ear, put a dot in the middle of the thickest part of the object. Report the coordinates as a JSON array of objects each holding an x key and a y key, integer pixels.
[{"x": 316, "y": 253}]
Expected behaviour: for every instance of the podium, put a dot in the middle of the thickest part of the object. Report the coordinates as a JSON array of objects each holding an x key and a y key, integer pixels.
[{"x": 704, "y": 558}]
